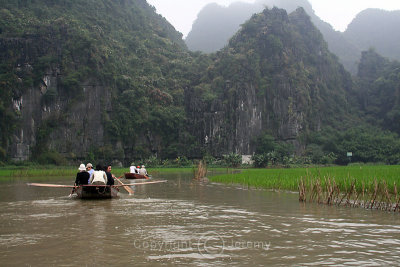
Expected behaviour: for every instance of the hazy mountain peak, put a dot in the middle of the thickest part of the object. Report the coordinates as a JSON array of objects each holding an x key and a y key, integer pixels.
[{"x": 376, "y": 28}]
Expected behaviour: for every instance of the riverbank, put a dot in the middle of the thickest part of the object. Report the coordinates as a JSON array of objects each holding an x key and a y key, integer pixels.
[{"x": 35, "y": 172}]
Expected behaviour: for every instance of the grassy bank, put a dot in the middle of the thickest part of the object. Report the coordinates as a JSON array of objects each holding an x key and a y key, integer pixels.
[
  {"x": 11, "y": 172},
  {"x": 36, "y": 171},
  {"x": 288, "y": 179}
]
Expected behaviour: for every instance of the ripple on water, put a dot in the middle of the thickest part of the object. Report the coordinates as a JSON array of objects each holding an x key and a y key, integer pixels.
[{"x": 18, "y": 239}]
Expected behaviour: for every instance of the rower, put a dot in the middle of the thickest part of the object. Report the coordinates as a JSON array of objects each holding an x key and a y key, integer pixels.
[{"x": 110, "y": 177}]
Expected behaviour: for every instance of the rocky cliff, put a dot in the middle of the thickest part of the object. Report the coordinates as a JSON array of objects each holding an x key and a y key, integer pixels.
[
  {"x": 111, "y": 80},
  {"x": 49, "y": 117},
  {"x": 276, "y": 76},
  {"x": 68, "y": 69}
]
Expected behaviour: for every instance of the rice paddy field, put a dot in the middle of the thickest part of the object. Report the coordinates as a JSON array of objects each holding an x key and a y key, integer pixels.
[{"x": 288, "y": 179}]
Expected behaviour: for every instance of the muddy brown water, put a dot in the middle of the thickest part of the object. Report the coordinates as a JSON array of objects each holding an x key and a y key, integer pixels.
[{"x": 188, "y": 223}]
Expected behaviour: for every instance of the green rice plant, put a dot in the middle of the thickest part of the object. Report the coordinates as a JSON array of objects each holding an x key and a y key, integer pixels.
[
  {"x": 288, "y": 179},
  {"x": 37, "y": 172}
]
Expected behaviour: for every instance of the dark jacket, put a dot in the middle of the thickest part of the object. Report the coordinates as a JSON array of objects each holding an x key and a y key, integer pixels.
[
  {"x": 82, "y": 178},
  {"x": 110, "y": 180}
]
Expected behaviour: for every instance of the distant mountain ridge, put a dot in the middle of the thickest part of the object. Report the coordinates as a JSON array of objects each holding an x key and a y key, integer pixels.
[
  {"x": 378, "y": 29},
  {"x": 221, "y": 23},
  {"x": 211, "y": 31}
]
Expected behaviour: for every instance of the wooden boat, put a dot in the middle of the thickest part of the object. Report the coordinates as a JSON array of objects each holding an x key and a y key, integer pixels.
[
  {"x": 129, "y": 175},
  {"x": 96, "y": 191}
]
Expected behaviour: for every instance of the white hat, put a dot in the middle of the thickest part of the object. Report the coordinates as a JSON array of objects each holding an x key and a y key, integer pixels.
[
  {"x": 142, "y": 166},
  {"x": 82, "y": 167},
  {"x": 89, "y": 165}
]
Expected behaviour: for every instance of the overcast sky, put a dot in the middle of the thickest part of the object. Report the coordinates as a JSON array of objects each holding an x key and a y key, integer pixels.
[{"x": 182, "y": 13}]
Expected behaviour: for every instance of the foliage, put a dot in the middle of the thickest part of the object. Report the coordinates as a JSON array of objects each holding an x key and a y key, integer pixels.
[
  {"x": 367, "y": 144},
  {"x": 378, "y": 88},
  {"x": 182, "y": 161},
  {"x": 160, "y": 93},
  {"x": 152, "y": 162},
  {"x": 123, "y": 46},
  {"x": 265, "y": 143},
  {"x": 233, "y": 160},
  {"x": 209, "y": 159},
  {"x": 287, "y": 179},
  {"x": 260, "y": 160}
]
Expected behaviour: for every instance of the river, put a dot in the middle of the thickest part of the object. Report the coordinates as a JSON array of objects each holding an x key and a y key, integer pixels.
[{"x": 188, "y": 223}]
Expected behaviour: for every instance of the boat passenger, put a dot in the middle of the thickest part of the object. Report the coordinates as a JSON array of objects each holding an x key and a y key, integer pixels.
[
  {"x": 110, "y": 177},
  {"x": 143, "y": 171},
  {"x": 133, "y": 169},
  {"x": 99, "y": 176},
  {"x": 89, "y": 169},
  {"x": 82, "y": 177}
]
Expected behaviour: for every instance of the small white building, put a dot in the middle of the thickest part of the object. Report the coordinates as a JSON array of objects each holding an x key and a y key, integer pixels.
[{"x": 246, "y": 159}]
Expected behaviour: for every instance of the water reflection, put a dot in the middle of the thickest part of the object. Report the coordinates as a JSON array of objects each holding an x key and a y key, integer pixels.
[{"x": 184, "y": 222}]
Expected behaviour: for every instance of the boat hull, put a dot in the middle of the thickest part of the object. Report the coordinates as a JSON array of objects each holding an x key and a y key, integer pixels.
[
  {"x": 135, "y": 176},
  {"x": 96, "y": 192}
]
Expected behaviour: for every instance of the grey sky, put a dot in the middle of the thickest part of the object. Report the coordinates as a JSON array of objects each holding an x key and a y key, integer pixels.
[{"x": 339, "y": 13}]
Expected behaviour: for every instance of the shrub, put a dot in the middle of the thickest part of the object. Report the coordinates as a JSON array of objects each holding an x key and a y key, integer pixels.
[
  {"x": 233, "y": 160},
  {"x": 260, "y": 160},
  {"x": 182, "y": 161},
  {"x": 152, "y": 162}
]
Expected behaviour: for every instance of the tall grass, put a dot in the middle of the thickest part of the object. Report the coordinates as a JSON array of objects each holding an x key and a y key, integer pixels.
[
  {"x": 288, "y": 179},
  {"x": 37, "y": 172},
  {"x": 201, "y": 171}
]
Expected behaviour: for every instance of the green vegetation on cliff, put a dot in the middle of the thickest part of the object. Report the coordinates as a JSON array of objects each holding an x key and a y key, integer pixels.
[
  {"x": 123, "y": 46},
  {"x": 275, "y": 82}
]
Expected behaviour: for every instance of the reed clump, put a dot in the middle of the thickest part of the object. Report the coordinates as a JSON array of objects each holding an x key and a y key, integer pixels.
[
  {"x": 376, "y": 195},
  {"x": 201, "y": 171}
]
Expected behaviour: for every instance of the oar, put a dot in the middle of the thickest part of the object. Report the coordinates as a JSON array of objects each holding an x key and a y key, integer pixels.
[
  {"x": 127, "y": 188},
  {"x": 153, "y": 182},
  {"x": 52, "y": 185}
]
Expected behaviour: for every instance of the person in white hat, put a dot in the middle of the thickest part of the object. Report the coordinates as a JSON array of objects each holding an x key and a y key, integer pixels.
[{"x": 82, "y": 177}]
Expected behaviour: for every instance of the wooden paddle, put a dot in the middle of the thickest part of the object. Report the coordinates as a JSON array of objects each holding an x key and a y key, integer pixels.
[
  {"x": 72, "y": 186},
  {"x": 127, "y": 188},
  {"x": 52, "y": 185},
  {"x": 153, "y": 182}
]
